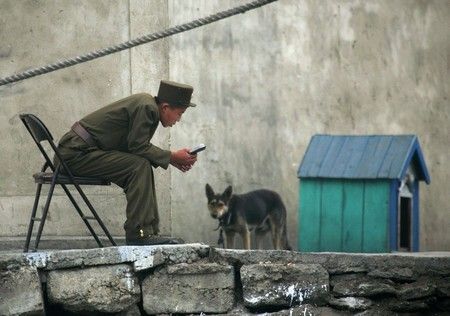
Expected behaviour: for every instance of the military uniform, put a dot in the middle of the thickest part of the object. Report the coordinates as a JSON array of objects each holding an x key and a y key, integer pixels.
[{"x": 121, "y": 152}]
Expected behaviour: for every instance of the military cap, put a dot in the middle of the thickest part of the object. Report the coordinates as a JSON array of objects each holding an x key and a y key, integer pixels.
[{"x": 176, "y": 94}]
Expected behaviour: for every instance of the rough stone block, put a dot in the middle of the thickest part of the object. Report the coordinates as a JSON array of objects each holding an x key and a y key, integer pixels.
[
  {"x": 302, "y": 310},
  {"x": 408, "y": 306},
  {"x": 443, "y": 287},
  {"x": 393, "y": 273},
  {"x": 419, "y": 289},
  {"x": 108, "y": 289},
  {"x": 284, "y": 285},
  {"x": 189, "y": 288},
  {"x": 361, "y": 285},
  {"x": 20, "y": 292},
  {"x": 351, "y": 303},
  {"x": 443, "y": 304}
]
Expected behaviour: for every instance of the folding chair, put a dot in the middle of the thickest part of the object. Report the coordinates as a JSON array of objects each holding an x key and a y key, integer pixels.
[{"x": 40, "y": 133}]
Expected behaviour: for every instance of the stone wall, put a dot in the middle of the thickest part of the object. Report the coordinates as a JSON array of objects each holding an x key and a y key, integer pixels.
[
  {"x": 198, "y": 279},
  {"x": 265, "y": 82}
]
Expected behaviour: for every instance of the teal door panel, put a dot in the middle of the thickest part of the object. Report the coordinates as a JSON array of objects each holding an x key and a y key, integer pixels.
[
  {"x": 375, "y": 220},
  {"x": 331, "y": 216},
  {"x": 352, "y": 219}
]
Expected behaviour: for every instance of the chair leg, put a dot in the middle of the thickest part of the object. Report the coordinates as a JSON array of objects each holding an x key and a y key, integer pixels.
[
  {"x": 95, "y": 215},
  {"x": 32, "y": 218},
  {"x": 44, "y": 212},
  {"x": 75, "y": 204}
]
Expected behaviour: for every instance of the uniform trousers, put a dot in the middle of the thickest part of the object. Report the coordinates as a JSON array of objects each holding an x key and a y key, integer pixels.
[{"x": 132, "y": 173}]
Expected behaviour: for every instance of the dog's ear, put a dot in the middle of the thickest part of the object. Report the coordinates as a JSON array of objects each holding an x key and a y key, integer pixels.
[
  {"x": 227, "y": 193},
  {"x": 209, "y": 192}
]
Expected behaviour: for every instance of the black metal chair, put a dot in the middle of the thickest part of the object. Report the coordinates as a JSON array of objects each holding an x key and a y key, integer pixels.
[{"x": 40, "y": 133}]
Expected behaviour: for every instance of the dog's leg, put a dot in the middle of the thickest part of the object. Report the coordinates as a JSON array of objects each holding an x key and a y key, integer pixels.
[
  {"x": 229, "y": 239},
  {"x": 277, "y": 239},
  {"x": 280, "y": 239},
  {"x": 276, "y": 235},
  {"x": 258, "y": 238},
  {"x": 246, "y": 238}
]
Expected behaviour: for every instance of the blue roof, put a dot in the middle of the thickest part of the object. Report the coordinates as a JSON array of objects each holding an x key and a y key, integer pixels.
[{"x": 363, "y": 157}]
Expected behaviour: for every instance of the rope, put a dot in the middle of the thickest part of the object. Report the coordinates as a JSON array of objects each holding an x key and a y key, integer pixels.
[{"x": 135, "y": 42}]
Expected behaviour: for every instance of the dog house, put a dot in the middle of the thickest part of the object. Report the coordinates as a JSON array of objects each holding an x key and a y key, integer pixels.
[{"x": 361, "y": 193}]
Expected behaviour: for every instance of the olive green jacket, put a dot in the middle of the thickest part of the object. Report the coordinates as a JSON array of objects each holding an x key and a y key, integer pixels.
[{"x": 128, "y": 125}]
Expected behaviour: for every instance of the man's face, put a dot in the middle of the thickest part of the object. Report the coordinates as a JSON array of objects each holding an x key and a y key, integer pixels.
[{"x": 170, "y": 115}]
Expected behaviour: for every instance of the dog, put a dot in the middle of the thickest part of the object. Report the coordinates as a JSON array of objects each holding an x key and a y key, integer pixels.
[{"x": 261, "y": 210}]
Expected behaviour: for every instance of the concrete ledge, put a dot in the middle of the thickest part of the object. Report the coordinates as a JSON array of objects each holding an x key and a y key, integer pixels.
[
  {"x": 419, "y": 263},
  {"x": 196, "y": 278},
  {"x": 58, "y": 242},
  {"x": 142, "y": 257}
]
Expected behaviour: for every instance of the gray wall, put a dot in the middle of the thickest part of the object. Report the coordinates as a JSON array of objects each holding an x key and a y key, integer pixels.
[{"x": 265, "y": 82}]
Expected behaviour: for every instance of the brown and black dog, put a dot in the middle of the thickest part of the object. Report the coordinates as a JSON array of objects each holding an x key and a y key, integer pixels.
[{"x": 261, "y": 210}]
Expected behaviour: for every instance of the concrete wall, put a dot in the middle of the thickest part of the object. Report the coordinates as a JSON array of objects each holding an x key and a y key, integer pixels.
[
  {"x": 265, "y": 82},
  {"x": 34, "y": 33}
]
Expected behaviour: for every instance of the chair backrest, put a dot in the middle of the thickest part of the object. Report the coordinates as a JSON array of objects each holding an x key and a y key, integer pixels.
[
  {"x": 37, "y": 129},
  {"x": 40, "y": 133}
]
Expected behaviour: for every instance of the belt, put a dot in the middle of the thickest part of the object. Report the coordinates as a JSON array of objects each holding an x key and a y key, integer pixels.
[{"x": 83, "y": 134}]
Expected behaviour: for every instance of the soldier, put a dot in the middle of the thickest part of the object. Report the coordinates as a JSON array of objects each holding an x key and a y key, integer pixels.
[{"x": 113, "y": 143}]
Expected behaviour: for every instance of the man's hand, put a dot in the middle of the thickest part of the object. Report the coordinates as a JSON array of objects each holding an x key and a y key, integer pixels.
[
  {"x": 182, "y": 159},
  {"x": 182, "y": 168}
]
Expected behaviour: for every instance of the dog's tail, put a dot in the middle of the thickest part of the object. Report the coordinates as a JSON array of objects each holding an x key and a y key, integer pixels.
[
  {"x": 284, "y": 238},
  {"x": 286, "y": 244}
]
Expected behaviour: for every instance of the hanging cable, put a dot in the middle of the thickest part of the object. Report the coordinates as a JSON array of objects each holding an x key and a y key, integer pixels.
[{"x": 135, "y": 42}]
